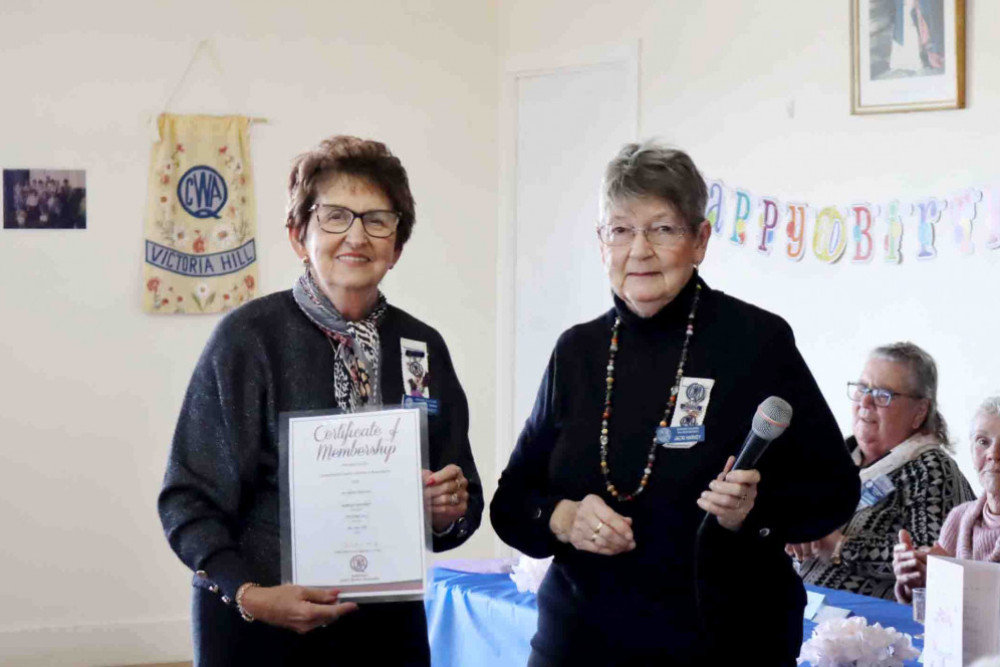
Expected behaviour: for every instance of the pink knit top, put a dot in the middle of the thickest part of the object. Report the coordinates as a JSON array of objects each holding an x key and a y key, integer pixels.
[{"x": 972, "y": 532}]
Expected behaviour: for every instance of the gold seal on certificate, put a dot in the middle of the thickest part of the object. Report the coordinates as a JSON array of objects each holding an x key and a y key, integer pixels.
[{"x": 352, "y": 513}]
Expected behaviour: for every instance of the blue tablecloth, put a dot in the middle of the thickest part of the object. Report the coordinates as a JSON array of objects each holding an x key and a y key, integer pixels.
[{"x": 481, "y": 619}]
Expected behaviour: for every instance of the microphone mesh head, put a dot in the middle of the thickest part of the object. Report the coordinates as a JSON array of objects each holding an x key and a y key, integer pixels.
[{"x": 772, "y": 418}]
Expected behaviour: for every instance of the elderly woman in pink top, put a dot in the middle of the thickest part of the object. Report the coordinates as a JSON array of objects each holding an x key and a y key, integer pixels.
[{"x": 972, "y": 529}]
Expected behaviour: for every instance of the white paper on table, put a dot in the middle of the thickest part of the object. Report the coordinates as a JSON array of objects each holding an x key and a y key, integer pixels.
[
  {"x": 354, "y": 502},
  {"x": 813, "y": 602},
  {"x": 827, "y": 613},
  {"x": 963, "y": 611}
]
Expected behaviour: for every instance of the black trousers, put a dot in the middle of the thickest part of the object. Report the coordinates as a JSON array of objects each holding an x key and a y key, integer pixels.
[{"x": 378, "y": 634}]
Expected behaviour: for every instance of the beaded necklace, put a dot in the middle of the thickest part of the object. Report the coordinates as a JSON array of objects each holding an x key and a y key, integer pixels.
[{"x": 662, "y": 431}]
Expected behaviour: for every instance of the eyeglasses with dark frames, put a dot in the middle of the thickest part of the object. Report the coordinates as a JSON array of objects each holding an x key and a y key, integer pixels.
[
  {"x": 335, "y": 219},
  {"x": 882, "y": 398}
]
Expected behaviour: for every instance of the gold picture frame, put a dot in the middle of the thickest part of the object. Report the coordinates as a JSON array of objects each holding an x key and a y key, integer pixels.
[{"x": 907, "y": 55}]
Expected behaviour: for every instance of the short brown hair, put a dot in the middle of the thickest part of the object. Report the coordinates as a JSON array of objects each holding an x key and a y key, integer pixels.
[{"x": 350, "y": 156}]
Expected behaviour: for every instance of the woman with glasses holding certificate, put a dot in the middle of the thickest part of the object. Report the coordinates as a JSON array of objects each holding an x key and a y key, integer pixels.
[
  {"x": 908, "y": 480},
  {"x": 332, "y": 341},
  {"x": 631, "y": 445}
]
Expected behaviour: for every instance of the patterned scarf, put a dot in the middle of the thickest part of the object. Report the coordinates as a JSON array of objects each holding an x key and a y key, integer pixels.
[
  {"x": 355, "y": 344},
  {"x": 906, "y": 451}
]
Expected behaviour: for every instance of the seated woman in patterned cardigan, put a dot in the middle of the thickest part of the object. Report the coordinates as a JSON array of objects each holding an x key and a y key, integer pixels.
[
  {"x": 909, "y": 482},
  {"x": 972, "y": 530}
]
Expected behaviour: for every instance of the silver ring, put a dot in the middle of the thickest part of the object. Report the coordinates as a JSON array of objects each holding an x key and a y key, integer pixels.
[
  {"x": 593, "y": 538},
  {"x": 600, "y": 524},
  {"x": 454, "y": 499}
]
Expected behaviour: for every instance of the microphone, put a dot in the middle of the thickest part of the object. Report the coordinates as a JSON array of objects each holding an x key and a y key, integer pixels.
[{"x": 773, "y": 416}]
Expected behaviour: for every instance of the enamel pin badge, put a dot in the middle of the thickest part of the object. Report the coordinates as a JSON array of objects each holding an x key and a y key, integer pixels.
[{"x": 687, "y": 427}]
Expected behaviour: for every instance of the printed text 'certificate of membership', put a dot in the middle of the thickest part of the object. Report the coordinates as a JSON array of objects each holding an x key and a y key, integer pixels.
[{"x": 353, "y": 515}]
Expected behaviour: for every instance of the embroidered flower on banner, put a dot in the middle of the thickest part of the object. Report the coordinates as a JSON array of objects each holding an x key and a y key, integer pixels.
[
  {"x": 153, "y": 285},
  {"x": 224, "y": 237},
  {"x": 203, "y": 295}
]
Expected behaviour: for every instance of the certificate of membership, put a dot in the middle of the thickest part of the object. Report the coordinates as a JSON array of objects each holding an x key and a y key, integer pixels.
[{"x": 352, "y": 502}]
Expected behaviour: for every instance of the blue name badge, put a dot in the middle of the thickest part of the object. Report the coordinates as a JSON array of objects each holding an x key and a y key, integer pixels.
[
  {"x": 431, "y": 403},
  {"x": 681, "y": 437},
  {"x": 874, "y": 490}
]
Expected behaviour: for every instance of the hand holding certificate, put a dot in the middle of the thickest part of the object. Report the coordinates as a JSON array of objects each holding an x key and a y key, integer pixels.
[
  {"x": 353, "y": 502},
  {"x": 296, "y": 608}
]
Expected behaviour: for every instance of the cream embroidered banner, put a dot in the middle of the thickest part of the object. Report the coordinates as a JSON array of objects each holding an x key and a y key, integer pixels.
[{"x": 200, "y": 252}]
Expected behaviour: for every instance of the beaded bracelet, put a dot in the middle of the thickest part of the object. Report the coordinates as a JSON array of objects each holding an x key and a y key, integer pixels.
[{"x": 240, "y": 592}]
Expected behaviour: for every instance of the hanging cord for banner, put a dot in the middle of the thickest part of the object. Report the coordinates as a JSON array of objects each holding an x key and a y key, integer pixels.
[{"x": 204, "y": 46}]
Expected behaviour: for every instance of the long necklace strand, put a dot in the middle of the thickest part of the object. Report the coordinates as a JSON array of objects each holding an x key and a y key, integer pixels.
[{"x": 668, "y": 413}]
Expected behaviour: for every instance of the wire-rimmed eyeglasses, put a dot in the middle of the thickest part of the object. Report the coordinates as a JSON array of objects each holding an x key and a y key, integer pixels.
[{"x": 662, "y": 234}]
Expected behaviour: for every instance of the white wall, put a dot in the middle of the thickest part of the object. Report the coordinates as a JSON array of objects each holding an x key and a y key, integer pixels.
[
  {"x": 759, "y": 94},
  {"x": 90, "y": 386}
]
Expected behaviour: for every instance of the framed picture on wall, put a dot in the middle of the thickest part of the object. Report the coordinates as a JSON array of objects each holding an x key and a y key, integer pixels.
[
  {"x": 907, "y": 55},
  {"x": 44, "y": 199}
]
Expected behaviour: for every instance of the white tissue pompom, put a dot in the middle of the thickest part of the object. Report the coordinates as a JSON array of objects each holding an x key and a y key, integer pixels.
[
  {"x": 528, "y": 572},
  {"x": 851, "y": 641}
]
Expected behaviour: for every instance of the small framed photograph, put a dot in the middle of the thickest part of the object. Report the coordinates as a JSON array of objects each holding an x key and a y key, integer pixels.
[
  {"x": 44, "y": 199},
  {"x": 907, "y": 55}
]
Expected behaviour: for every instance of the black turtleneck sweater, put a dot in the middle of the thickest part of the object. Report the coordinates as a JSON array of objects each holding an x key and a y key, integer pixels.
[{"x": 641, "y": 605}]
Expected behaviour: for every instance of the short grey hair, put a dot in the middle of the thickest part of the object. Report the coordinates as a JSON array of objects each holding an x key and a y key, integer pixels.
[
  {"x": 651, "y": 169},
  {"x": 923, "y": 383},
  {"x": 990, "y": 406}
]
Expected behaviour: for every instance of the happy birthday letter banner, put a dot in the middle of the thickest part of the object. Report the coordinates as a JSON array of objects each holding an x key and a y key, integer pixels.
[
  {"x": 861, "y": 232},
  {"x": 200, "y": 252}
]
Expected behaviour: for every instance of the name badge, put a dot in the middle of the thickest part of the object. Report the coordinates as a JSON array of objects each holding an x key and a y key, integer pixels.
[
  {"x": 874, "y": 490},
  {"x": 687, "y": 427},
  {"x": 416, "y": 375}
]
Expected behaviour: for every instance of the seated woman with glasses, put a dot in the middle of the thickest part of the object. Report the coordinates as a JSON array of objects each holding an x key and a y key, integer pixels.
[
  {"x": 972, "y": 530},
  {"x": 908, "y": 480},
  {"x": 332, "y": 341}
]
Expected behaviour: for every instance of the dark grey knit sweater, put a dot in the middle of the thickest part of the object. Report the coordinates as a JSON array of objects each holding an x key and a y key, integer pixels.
[{"x": 219, "y": 502}]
